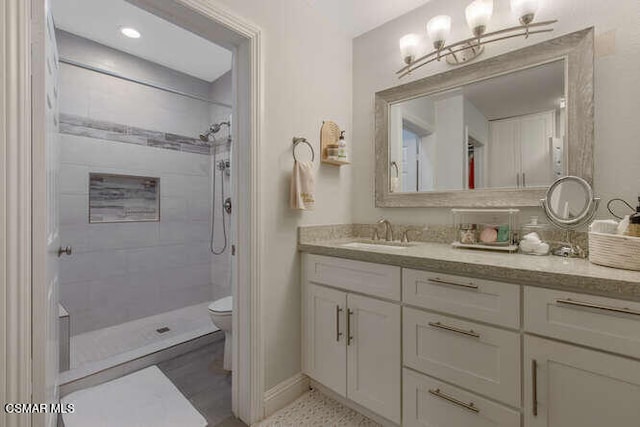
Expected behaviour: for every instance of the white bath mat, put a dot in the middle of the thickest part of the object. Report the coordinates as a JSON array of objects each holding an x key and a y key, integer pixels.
[{"x": 146, "y": 398}]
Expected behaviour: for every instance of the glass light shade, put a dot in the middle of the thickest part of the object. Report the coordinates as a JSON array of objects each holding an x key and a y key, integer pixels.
[
  {"x": 525, "y": 10},
  {"x": 438, "y": 29},
  {"x": 409, "y": 45},
  {"x": 478, "y": 14}
]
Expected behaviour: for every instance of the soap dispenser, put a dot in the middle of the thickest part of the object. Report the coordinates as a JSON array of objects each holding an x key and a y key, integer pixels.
[
  {"x": 634, "y": 222},
  {"x": 342, "y": 148}
]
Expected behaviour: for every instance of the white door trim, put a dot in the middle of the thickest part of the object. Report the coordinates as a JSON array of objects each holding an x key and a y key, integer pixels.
[
  {"x": 15, "y": 207},
  {"x": 16, "y": 334}
]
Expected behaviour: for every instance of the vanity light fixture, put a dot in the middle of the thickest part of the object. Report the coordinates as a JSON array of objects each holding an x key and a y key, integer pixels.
[
  {"x": 132, "y": 33},
  {"x": 478, "y": 14},
  {"x": 409, "y": 45},
  {"x": 438, "y": 29}
]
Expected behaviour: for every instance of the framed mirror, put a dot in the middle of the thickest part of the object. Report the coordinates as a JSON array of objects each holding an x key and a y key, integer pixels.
[{"x": 493, "y": 133}]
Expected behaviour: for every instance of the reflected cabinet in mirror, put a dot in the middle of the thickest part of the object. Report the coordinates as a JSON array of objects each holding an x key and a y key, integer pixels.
[{"x": 493, "y": 133}]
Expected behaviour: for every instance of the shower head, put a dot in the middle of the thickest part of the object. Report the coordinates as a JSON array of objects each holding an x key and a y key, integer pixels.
[{"x": 215, "y": 128}]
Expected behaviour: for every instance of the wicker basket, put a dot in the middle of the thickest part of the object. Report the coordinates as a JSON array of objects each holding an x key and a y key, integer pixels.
[{"x": 614, "y": 250}]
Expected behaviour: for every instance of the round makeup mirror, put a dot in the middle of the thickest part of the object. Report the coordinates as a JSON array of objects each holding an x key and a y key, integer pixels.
[{"x": 569, "y": 204}]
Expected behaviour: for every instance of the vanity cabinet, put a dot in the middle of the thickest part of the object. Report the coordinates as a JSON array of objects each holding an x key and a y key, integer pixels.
[
  {"x": 570, "y": 386},
  {"x": 352, "y": 342},
  {"x": 453, "y": 351}
]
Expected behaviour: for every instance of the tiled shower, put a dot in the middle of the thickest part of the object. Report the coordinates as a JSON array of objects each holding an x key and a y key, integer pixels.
[{"x": 122, "y": 272}]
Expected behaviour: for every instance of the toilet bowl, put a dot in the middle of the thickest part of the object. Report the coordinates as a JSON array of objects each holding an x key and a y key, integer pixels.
[{"x": 221, "y": 313}]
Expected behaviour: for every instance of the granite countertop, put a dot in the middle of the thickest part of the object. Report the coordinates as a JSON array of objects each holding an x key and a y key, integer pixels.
[{"x": 577, "y": 275}]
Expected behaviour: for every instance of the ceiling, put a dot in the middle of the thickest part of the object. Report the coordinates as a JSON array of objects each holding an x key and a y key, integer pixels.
[
  {"x": 360, "y": 16},
  {"x": 524, "y": 92},
  {"x": 162, "y": 42}
]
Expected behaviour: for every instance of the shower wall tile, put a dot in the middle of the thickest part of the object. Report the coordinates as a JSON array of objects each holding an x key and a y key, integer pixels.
[
  {"x": 73, "y": 209},
  {"x": 125, "y": 271},
  {"x": 200, "y": 209},
  {"x": 173, "y": 209},
  {"x": 74, "y": 179}
]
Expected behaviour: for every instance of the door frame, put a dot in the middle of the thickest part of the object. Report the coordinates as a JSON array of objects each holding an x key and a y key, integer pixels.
[{"x": 22, "y": 184}]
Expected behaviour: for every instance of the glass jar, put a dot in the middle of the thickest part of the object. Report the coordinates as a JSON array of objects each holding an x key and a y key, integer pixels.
[{"x": 332, "y": 151}]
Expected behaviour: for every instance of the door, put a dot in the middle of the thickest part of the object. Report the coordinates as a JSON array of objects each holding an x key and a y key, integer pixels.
[
  {"x": 45, "y": 211},
  {"x": 536, "y": 131},
  {"x": 569, "y": 386},
  {"x": 410, "y": 161},
  {"x": 326, "y": 351},
  {"x": 373, "y": 351},
  {"x": 502, "y": 168}
]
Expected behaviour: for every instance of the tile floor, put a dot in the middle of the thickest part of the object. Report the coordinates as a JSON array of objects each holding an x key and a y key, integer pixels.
[
  {"x": 95, "y": 351},
  {"x": 200, "y": 378},
  {"x": 315, "y": 409}
]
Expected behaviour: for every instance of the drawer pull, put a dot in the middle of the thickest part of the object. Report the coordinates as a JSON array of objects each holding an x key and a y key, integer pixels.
[
  {"x": 468, "y": 406},
  {"x": 569, "y": 301},
  {"x": 469, "y": 285},
  {"x": 469, "y": 333},
  {"x": 338, "y": 333}
]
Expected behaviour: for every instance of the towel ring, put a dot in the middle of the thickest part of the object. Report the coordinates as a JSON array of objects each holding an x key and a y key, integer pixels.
[{"x": 298, "y": 140}]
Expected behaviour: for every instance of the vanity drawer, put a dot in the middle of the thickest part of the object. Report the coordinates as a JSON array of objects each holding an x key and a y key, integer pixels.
[
  {"x": 477, "y": 357},
  {"x": 606, "y": 323},
  {"x": 429, "y": 402},
  {"x": 484, "y": 300},
  {"x": 372, "y": 279}
]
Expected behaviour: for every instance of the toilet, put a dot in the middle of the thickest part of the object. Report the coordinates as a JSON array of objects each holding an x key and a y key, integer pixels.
[{"x": 220, "y": 312}]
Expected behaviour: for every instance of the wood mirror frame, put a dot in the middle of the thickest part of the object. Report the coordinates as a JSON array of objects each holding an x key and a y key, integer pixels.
[{"x": 576, "y": 49}]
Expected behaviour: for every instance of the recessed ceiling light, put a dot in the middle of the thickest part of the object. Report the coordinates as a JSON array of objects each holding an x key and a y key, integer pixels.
[{"x": 132, "y": 33}]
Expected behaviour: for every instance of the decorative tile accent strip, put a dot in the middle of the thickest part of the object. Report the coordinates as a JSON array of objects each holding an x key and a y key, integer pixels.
[{"x": 84, "y": 126}]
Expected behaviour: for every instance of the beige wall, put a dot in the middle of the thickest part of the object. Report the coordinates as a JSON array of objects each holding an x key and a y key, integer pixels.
[
  {"x": 307, "y": 79},
  {"x": 617, "y": 92}
]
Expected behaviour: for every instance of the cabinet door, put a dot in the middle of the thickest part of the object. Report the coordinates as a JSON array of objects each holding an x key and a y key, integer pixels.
[
  {"x": 536, "y": 131},
  {"x": 325, "y": 350},
  {"x": 373, "y": 351},
  {"x": 502, "y": 165},
  {"x": 569, "y": 386}
]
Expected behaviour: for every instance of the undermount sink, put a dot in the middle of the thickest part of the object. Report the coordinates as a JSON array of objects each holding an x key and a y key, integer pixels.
[{"x": 376, "y": 245}]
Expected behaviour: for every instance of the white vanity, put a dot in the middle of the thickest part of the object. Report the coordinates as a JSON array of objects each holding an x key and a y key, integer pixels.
[{"x": 424, "y": 348}]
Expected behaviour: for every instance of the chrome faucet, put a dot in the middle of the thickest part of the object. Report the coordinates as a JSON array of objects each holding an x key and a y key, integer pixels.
[{"x": 388, "y": 230}]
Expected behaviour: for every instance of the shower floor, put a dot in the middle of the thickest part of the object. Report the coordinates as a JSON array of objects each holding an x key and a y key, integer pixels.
[{"x": 101, "y": 349}]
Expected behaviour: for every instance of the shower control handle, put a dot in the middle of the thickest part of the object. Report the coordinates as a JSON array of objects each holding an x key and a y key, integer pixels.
[{"x": 228, "y": 205}]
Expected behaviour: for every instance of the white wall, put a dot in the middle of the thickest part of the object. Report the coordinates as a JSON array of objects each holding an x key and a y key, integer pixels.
[
  {"x": 307, "y": 79},
  {"x": 125, "y": 271},
  {"x": 617, "y": 155}
]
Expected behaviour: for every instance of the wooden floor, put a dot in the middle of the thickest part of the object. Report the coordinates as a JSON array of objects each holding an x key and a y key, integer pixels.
[{"x": 201, "y": 379}]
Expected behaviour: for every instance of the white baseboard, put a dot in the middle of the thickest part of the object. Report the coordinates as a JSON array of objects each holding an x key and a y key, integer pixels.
[{"x": 284, "y": 393}]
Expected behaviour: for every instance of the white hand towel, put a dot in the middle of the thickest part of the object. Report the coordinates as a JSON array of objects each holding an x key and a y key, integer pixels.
[{"x": 303, "y": 186}]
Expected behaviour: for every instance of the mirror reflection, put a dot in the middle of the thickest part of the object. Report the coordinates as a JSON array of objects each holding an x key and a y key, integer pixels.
[
  {"x": 505, "y": 132},
  {"x": 568, "y": 200}
]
